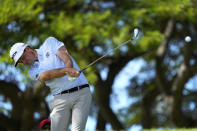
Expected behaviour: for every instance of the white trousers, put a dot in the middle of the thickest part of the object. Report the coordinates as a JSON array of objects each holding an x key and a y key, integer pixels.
[{"x": 73, "y": 106}]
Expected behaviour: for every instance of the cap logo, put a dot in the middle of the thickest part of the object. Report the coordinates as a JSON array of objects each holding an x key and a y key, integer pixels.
[{"x": 14, "y": 55}]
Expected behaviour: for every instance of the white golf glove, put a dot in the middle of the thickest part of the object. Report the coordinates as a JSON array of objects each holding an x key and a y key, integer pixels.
[{"x": 72, "y": 78}]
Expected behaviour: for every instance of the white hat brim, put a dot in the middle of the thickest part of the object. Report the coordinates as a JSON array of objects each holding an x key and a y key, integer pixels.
[{"x": 18, "y": 56}]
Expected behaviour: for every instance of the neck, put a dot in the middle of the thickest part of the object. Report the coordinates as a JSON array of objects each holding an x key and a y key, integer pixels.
[{"x": 36, "y": 55}]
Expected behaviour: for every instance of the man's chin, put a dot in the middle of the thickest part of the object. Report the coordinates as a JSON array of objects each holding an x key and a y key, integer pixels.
[{"x": 29, "y": 64}]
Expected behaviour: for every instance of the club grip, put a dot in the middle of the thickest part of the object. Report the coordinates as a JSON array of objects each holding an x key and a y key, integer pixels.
[{"x": 82, "y": 70}]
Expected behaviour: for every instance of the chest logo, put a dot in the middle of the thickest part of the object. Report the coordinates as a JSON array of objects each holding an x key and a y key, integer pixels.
[{"x": 47, "y": 54}]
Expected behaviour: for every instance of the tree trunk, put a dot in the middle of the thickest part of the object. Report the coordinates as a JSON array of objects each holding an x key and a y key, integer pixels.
[
  {"x": 147, "y": 103},
  {"x": 100, "y": 122},
  {"x": 102, "y": 99}
]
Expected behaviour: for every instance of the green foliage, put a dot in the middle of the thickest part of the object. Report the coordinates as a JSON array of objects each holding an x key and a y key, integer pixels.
[
  {"x": 168, "y": 8},
  {"x": 82, "y": 27},
  {"x": 150, "y": 40},
  {"x": 137, "y": 19},
  {"x": 123, "y": 35},
  {"x": 6, "y": 58},
  {"x": 24, "y": 10},
  {"x": 135, "y": 118}
]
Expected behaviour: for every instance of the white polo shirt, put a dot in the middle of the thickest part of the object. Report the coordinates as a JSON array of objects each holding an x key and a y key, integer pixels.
[{"x": 48, "y": 60}]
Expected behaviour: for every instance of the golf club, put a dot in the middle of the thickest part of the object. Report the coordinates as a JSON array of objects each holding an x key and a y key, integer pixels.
[{"x": 134, "y": 38}]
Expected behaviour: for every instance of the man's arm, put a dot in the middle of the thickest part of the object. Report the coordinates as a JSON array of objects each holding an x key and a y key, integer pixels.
[
  {"x": 50, "y": 74},
  {"x": 57, "y": 73},
  {"x": 62, "y": 53}
]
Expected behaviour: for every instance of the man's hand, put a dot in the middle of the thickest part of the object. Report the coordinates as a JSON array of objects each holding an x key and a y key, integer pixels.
[{"x": 72, "y": 72}]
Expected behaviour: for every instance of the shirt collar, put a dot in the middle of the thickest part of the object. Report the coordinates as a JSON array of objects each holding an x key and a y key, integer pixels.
[
  {"x": 36, "y": 63},
  {"x": 40, "y": 56}
]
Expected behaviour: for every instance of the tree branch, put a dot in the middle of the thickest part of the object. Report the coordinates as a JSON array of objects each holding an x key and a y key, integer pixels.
[
  {"x": 160, "y": 53},
  {"x": 185, "y": 73}
]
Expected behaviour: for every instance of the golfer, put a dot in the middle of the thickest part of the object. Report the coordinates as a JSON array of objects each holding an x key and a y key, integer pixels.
[{"x": 52, "y": 64}]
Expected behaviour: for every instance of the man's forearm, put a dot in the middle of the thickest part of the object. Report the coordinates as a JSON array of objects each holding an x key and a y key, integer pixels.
[
  {"x": 51, "y": 74},
  {"x": 62, "y": 53},
  {"x": 69, "y": 63}
]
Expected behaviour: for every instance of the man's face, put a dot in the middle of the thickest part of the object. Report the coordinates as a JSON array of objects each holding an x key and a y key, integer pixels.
[{"x": 28, "y": 57}]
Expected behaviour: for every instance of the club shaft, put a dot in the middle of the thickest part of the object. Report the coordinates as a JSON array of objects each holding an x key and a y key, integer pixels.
[{"x": 124, "y": 43}]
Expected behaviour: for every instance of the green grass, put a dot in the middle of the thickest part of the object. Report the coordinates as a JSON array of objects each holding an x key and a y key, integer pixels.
[
  {"x": 194, "y": 129},
  {"x": 182, "y": 129}
]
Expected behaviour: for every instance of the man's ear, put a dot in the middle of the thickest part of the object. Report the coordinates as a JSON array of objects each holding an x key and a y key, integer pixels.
[{"x": 28, "y": 47}]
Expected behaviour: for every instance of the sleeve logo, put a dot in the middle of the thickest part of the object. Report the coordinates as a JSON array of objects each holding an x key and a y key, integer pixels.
[
  {"x": 47, "y": 54},
  {"x": 36, "y": 75}
]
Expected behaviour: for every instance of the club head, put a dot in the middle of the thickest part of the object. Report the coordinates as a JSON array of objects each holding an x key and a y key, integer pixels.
[{"x": 135, "y": 34}]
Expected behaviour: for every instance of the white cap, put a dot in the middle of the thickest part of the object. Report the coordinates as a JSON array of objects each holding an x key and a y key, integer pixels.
[{"x": 17, "y": 51}]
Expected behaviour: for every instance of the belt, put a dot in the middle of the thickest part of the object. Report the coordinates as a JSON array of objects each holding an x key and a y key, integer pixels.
[{"x": 74, "y": 89}]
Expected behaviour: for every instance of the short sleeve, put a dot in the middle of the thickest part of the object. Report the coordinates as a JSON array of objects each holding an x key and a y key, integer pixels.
[
  {"x": 34, "y": 74},
  {"x": 53, "y": 44}
]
